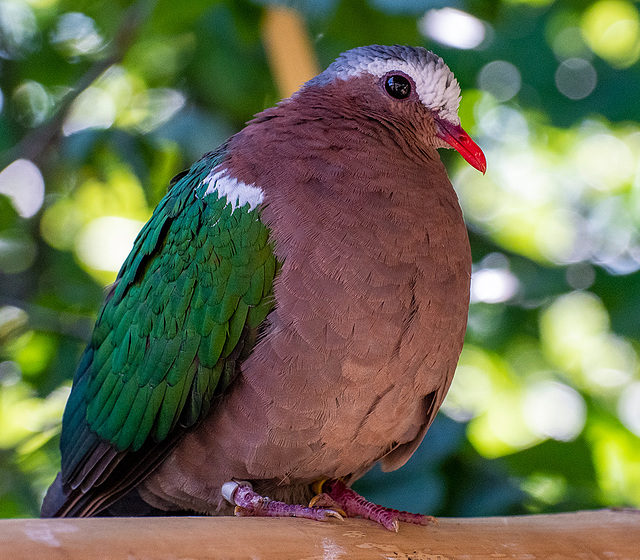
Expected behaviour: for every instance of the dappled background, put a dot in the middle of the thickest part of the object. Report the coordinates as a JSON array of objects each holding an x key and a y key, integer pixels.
[{"x": 102, "y": 102}]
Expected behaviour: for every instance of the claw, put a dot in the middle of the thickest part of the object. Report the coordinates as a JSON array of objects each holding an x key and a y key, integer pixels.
[
  {"x": 333, "y": 513},
  {"x": 326, "y": 502},
  {"x": 316, "y": 486}
]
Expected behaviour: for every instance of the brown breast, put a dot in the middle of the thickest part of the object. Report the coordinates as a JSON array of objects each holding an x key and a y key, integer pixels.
[{"x": 371, "y": 305}]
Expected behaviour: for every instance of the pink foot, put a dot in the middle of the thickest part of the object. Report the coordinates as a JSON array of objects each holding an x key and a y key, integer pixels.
[
  {"x": 355, "y": 505},
  {"x": 250, "y": 504}
]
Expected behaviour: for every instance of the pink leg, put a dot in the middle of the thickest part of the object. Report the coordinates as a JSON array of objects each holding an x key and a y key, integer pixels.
[
  {"x": 353, "y": 504},
  {"x": 250, "y": 504}
]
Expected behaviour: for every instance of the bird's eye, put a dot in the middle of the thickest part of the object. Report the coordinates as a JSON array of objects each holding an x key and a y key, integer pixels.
[{"x": 398, "y": 86}]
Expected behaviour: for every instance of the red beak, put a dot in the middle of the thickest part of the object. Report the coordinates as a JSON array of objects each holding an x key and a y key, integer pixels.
[{"x": 459, "y": 140}]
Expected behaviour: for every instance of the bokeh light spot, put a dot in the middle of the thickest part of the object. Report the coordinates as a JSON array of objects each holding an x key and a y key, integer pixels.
[
  {"x": 555, "y": 234},
  {"x": 32, "y": 103},
  {"x": 574, "y": 331},
  {"x": 604, "y": 161},
  {"x": 611, "y": 28},
  {"x": 501, "y": 79},
  {"x": 154, "y": 107},
  {"x": 13, "y": 321},
  {"x": 576, "y": 78},
  {"x": 60, "y": 224},
  {"x": 75, "y": 34},
  {"x": 505, "y": 124},
  {"x": 569, "y": 43},
  {"x": 629, "y": 407},
  {"x": 23, "y": 183},
  {"x": 608, "y": 362},
  {"x": 569, "y": 324},
  {"x": 105, "y": 242},
  {"x": 554, "y": 410},
  {"x": 493, "y": 285},
  {"x": 94, "y": 108},
  {"x": 10, "y": 373},
  {"x": 469, "y": 395},
  {"x": 18, "y": 29},
  {"x": 502, "y": 429},
  {"x": 580, "y": 276},
  {"x": 453, "y": 28},
  {"x": 17, "y": 252},
  {"x": 545, "y": 488}
]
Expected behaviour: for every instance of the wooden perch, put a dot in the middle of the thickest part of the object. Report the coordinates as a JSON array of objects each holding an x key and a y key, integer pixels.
[{"x": 591, "y": 535}]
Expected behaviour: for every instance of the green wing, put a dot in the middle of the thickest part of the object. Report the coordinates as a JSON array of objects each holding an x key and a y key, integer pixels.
[{"x": 184, "y": 310}]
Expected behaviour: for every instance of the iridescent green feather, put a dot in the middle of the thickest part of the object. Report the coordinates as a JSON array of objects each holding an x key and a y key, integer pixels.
[{"x": 199, "y": 274}]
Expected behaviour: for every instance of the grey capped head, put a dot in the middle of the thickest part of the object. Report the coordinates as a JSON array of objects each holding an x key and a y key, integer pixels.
[{"x": 435, "y": 84}]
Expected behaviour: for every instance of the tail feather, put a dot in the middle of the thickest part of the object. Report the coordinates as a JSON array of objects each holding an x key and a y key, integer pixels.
[{"x": 54, "y": 499}]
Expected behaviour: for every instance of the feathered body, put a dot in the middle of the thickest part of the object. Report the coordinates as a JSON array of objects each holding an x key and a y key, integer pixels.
[{"x": 294, "y": 310}]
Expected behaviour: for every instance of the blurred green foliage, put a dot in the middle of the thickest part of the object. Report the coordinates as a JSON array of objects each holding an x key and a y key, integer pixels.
[{"x": 544, "y": 414}]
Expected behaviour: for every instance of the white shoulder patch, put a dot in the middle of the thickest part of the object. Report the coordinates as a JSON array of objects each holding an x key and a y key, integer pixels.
[
  {"x": 238, "y": 193},
  {"x": 436, "y": 85}
]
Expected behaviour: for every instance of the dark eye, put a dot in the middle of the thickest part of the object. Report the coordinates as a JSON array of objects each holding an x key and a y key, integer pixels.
[{"x": 398, "y": 86}]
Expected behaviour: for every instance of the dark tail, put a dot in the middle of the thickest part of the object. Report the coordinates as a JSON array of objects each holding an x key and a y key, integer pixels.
[{"x": 54, "y": 499}]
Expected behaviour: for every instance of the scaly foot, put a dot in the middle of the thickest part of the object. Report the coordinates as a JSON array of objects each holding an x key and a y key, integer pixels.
[
  {"x": 353, "y": 504},
  {"x": 250, "y": 504}
]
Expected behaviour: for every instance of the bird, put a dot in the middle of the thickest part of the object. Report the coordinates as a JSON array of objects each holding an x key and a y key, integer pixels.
[{"x": 292, "y": 313}]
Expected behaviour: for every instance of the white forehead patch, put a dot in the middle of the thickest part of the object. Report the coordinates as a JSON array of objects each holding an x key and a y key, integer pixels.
[
  {"x": 238, "y": 193},
  {"x": 436, "y": 85}
]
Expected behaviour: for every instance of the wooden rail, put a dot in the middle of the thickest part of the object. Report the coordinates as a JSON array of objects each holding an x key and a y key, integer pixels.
[{"x": 592, "y": 535}]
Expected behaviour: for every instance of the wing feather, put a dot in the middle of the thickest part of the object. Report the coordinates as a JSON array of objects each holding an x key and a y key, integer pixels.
[{"x": 166, "y": 341}]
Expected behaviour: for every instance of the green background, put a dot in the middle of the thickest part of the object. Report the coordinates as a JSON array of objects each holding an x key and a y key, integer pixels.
[{"x": 544, "y": 414}]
